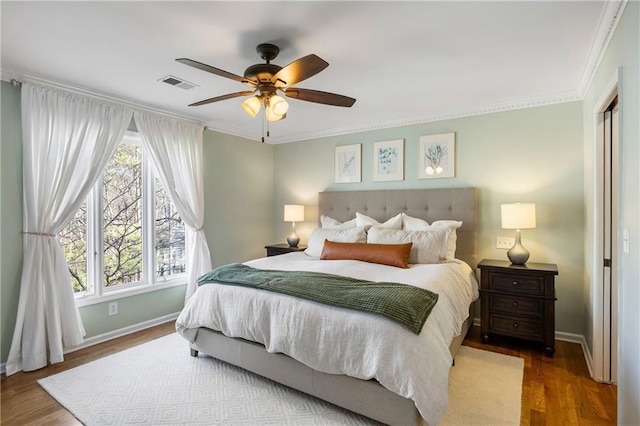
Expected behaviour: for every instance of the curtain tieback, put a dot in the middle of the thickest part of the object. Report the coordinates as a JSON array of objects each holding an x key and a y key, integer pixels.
[
  {"x": 42, "y": 234},
  {"x": 199, "y": 229}
]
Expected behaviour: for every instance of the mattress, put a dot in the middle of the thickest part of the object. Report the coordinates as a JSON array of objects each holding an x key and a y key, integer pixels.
[{"x": 340, "y": 341}]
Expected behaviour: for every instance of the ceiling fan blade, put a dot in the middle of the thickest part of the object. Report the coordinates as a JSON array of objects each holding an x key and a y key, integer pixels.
[
  {"x": 299, "y": 70},
  {"x": 319, "y": 97},
  {"x": 224, "y": 97},
  {"x": 216, "y": 71}
]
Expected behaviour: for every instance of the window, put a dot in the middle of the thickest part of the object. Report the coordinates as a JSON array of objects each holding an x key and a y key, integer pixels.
[{"x": 127, "y": 234}]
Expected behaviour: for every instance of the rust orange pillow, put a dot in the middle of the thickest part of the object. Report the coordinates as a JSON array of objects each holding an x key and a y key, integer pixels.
[{"x": 385, "y": 254}]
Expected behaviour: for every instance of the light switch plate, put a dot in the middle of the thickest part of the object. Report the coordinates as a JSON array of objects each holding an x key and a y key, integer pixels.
[
  {"x": 505, "y": 242},
  {"x": 625, "y": 240}
]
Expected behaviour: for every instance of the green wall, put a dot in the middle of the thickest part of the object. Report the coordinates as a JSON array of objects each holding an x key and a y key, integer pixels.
[
  {"x": 623, "y": 54},
  {"x": 10, "y": 212},
  {"x": 238, "y": 217},
  {"x": 528, "y": 155},
  {"x": 238, "y": 185}
]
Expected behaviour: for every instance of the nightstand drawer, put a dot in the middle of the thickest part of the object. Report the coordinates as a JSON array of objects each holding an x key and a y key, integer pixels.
[
  {"x": 509, "y": 304},
  {"x": 525, "y": 328},
  {"x": 526, "y": 284}
]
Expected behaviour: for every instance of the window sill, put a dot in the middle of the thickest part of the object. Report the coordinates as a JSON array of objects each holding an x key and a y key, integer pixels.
[{"x": 128, "y": 292}]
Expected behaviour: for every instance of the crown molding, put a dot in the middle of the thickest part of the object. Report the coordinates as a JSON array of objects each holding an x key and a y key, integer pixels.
[
  {"x": 8, "y": 75},
  {"x": 609, "y": 19},
  {"x": 561, "y": 97},
  {"x": 233, "y": 131}
]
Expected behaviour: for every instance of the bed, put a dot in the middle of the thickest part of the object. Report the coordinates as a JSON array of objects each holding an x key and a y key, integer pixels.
[{"x": 390, "y": 396}]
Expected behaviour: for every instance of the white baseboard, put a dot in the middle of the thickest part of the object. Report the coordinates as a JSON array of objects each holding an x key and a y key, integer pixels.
[
  {"x": 91, "y": 341},
  {"x": 580, "y": 339}
]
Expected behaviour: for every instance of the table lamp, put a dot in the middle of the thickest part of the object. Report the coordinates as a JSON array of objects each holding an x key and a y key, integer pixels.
[
  {"x": 518, "y": 216},
  {"x": 293, "y": 213}
]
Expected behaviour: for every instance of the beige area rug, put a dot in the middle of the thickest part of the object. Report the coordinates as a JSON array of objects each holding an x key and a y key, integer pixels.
[{"x": 159, "y": 383}]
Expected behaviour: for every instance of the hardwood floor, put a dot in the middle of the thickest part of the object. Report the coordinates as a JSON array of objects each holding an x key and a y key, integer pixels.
[
  {"x": 555, "y": 391},
  {"x": 558, "y": 390}
]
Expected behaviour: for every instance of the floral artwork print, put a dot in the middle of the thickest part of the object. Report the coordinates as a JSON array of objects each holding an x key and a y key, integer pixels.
[
  {"x": 437, "y": 156},
  {"x": 347, "y": 163},
  {"x": 388, "y": 161},
  {"x": 435, "y": 159}
]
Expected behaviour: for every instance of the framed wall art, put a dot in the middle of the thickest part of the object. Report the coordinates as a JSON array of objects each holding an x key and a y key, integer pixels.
[
  {"x": 348, "y": 163},
  {"x": 388, "y": 160},
  {"x": 436, "y": 157}
]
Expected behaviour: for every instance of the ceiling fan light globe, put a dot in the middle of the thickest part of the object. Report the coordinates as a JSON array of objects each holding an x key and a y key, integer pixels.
[
  {"x": 251, "y": 106},
  {"x": 271, "y": 116},
  {"x": 278, "y": 105}
]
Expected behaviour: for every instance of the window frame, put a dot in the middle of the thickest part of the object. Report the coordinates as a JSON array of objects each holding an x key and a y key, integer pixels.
[{"x": 96, "y": 292}]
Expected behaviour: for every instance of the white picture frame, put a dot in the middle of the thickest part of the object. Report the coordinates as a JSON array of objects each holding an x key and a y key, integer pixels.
[
  {"x": 348, "y": 163},
  {"x": 388, "y": 160},
  {"x": 436, "y": 156}
]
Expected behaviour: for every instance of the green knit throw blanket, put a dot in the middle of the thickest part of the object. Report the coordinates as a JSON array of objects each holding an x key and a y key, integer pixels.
[{"x": 405, "y": 304}]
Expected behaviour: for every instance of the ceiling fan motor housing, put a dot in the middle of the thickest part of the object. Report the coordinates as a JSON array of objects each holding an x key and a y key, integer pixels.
[{"x": 261, "y": 72}]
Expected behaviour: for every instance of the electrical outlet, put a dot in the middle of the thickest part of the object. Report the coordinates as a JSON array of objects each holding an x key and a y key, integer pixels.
[
  {"x": 505, "y": 242},
  {"x": 113, "y": 308}
]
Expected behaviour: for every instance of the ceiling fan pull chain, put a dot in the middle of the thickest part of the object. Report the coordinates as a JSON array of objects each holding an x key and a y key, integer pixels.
[{"x": 268, "y": 127}]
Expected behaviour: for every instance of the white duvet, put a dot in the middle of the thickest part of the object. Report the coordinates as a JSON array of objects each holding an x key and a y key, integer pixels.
[{"x": 340, "y": 341}]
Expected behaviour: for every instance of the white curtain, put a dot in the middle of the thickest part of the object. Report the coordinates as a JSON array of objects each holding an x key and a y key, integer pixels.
[
  {"x": 176, "y": 153},
  {"x": 67, "y": 141}
]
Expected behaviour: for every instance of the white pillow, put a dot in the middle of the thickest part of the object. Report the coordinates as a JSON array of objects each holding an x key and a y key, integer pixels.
[
  {"x": 452, "y": 238},
  {"x": 329, "y": 222},
  {"x": 348, "y": 235},
  {"x": 428, "y": 246},
  {"x": 414, "y": 224},
  {"x": 369, "y": 222}
]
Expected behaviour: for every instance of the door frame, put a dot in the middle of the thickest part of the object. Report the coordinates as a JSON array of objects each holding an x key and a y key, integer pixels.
[{"x": 604, "y": 367}]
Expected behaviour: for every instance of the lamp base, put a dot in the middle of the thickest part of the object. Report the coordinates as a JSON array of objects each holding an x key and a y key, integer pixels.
[
  {"x": 293, "y": 239},
  {"x": 518, "y": 255}
]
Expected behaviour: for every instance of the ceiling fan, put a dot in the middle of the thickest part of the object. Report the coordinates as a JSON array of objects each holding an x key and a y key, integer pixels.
[{"x": 267, "y": 80}]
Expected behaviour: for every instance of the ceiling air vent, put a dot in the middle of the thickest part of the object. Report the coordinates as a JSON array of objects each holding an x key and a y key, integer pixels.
[{"x": 175, "y": 81}]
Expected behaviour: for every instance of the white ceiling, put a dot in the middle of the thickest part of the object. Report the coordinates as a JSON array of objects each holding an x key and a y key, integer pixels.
[{"x": 404, "y": 62}]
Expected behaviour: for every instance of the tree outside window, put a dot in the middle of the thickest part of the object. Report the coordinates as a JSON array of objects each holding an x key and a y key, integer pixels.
[{"x": 138, "y": 233}]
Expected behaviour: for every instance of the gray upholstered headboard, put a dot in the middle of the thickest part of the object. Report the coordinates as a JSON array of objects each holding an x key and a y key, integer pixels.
[{"x": 426, "y": 204}]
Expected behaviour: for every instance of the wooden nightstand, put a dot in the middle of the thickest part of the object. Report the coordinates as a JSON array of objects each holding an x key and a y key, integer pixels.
[
  {"x": 518, "y": 301},
  {"x": 276, "y": 249}
]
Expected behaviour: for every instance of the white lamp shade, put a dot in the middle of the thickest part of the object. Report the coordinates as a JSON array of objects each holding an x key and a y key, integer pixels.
[
  {"x": 251, "y": 106},
  {"x": 518, "y": 215},
  {"x": 293, "y": 213}
]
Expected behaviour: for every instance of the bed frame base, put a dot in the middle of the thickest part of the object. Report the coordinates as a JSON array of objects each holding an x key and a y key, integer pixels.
[{"x": 366, "y": 397}]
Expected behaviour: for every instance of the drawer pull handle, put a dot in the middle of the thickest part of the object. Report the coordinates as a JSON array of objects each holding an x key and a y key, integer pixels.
[
  {"x": 516, "y": 325},
  {"x": 515, "y": 283},
  {"x": 515, "y": 304}
]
